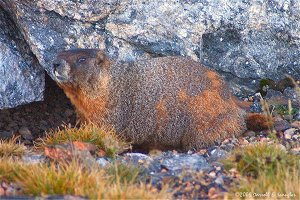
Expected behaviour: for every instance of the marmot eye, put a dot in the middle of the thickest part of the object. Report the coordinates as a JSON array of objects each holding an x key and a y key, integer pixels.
[{"x": 81, "y": 60}]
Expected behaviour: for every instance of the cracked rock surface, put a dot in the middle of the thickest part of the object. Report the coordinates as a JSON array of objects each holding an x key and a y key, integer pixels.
[
  {"x": 243, "y": 40},
  {"x": 21, "y": 76}
]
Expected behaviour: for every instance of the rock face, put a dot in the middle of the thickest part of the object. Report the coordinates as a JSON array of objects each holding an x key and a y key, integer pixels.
[
  {"x": 22, "y": 78},
  {"x": 243, "y": 40}
]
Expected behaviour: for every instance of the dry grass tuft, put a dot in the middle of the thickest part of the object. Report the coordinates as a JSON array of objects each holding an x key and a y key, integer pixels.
[
  {"x": 265, "y": 168},
  {"x": 11, "y": 148},
  {"x": 124, "y": 173},
  {"x": 76, "y": 179},
  {"x": 129, "y": 191},
  {"x": 103, "y": 138},
  {"x": 71, "y": 178},
  {"x": 9, "y": 168}
]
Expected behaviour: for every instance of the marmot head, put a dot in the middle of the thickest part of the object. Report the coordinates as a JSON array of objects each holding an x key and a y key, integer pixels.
[{"x": 83, "y": 69}]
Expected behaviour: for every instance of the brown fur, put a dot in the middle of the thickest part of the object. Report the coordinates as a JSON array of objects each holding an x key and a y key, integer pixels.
[
  {"x": 168, "y": 102},
  {"x": 257, "y": 121}
]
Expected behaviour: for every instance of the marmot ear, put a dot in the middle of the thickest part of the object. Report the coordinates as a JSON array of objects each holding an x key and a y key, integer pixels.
[{"x": 102, "y": 60}]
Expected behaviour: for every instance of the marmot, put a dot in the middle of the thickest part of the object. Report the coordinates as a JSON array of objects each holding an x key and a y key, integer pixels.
[{"x": 165, "y": 102}]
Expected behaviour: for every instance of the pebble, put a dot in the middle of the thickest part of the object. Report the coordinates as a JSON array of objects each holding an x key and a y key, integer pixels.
[
  {"x": 26, "y": 133},
  {"x": 264, "y": 139},
  {"x": 102, "y": 162},
  {"x": 10, "y": 191},
  {"x": 217, "y": 154},
  {"x": 137, "y": 158},
  {"x": 289, "y": 133},
  {"x": 295, "y": 137},
  {"x": 33, "y": 158},
  {"x": 295, "y": 151},
  {"x": 213, "y": 194},
  {"x": 212, "y": 174},
  {"x": 202, "y": 151},
  {"x": 282, "y": 125},
  {"x": 243, "y": 141},
  {"x": 219, "y": 180},
  {"x": 184, "y": 161},
  {"x": 297, "y": 116},
  {"x": 218, "y": 168},
  {"x": 250, "y": 133},
  {"x": 295, "y": 124},
  {"x": 227, "y": 147},
  {"x": 226, "y": 141}
]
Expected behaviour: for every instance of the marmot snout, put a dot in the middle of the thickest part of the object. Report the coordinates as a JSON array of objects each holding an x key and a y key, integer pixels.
[{"x": 166, "y": 102}]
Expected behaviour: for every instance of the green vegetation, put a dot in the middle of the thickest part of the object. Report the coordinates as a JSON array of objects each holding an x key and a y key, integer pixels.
[
  {"x": 103, "y": 138},
  {"x": 284, "y": 110},
  {"x": 123, "y": 173},
  {"x": 265, "y": 168}
]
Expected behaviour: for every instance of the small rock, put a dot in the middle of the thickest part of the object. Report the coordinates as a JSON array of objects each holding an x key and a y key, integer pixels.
[
  {"x": 295, "y": 151},
  {"x": 252, "y": 139},
  {"x": 137, "y": 158},
  {"x": 289, "y": 133},
  {"x": 102, "y": 162},
  {"x": 256, "y": 108},
  {"x": 243, "y": 141},
  {"x": 295, "y": 124},
  {"x": 214, "y": 193},
  {"x": 264, "y": 139},
  {"x": 190, "y": 152},
  {"x": 250, "y": 133},
  {"x": 227, "y": 147},
  {"x": 84, "y": 146},
  {"x": 234, "y": 173},
  {"x": 26, "y": 133},
  {"x": 217, "y": 154},
  {"x": 219, "y": 180},
  {"x": 33, "y": 158},
  {"x": 295, "y": 137},
  {"x": 288, "y": 117},
  {"x": 164, "y": 170},
  {"x": 202, "y": 151},
  {"x": 226, "y": 141},
  {"x": 235, "y": 141},
  {"x": 101, "y": 153},
  {"x": 290, "y": 93},
  {"x": 273, "y": 94},
  {"x": 2, "y": 192},
  {"x": 10, "y": 191},
  {"x": 297, "y": 116},
  {"x": 212, "y": 174},
  {"x": 282, "y": 125},
  {"x": 68, "y": 151},
  {"x": 180, "y": 162}
]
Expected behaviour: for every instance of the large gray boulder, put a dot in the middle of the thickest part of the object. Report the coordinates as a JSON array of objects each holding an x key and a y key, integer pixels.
[
  {"x": 243, "y": 40},
  {"x": 21, "y": 76}
]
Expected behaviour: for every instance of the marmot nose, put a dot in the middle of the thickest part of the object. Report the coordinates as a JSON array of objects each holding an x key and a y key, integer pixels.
[{"x": 57, "y": 68}]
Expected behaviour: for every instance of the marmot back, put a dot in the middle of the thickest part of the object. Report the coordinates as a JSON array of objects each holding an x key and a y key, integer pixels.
[{"x": 165, "y": 102}]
